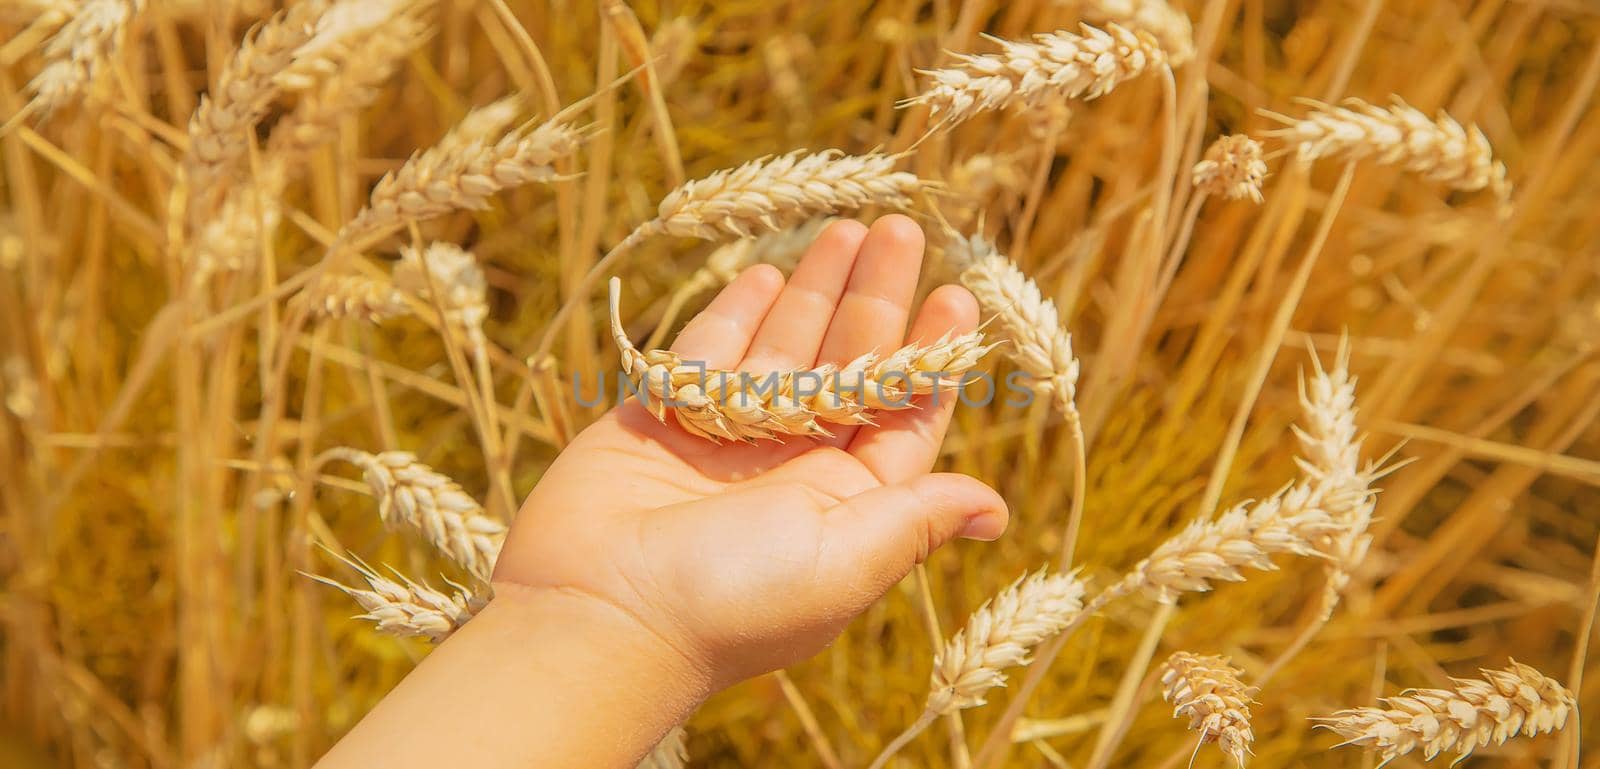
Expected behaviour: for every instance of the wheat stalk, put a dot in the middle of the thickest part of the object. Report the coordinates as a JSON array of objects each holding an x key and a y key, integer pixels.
[
  {"x": 1231, "y": 167},
  {"x": 1039, "y": 344},
  {"x": 356, "y": 296},
  {"x": 414, "y": 495},
  {"x": 999, "y": 635},
  {"x": 1058, "y": 65},
  {"x": 1439, "y": 149},
  {"x": 1518, "y": 700},
  {"x": 79, "y": 51},
  {"x": 408, "y": 609},
  {"x": 1170, "y": 26},
  {"x": 1208, "y": 690},
  {"x": 728, "y": 405},
  {"x": 458, "y": 176},
  {"x": 776, "y": 193},
  {"x": 221, "y": 127}
]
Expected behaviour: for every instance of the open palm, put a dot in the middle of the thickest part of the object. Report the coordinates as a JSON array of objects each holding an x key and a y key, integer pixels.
[{"x": 751, "y": 556}]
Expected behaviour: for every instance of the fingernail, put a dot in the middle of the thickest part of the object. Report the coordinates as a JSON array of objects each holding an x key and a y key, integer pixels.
[{"x": 985, "y": 527}]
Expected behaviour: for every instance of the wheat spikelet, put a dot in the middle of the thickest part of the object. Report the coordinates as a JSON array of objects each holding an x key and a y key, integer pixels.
[
  {"x": 414, "y": 495},
  {"x": 79, "y": 51},
  {"x": 463, "y": 177},
  {"x": 728, "y": 405},
  {"x": 408, "y": 609},
  {"x": 1209, "y": 691},
  {"x": 1058, "y": 65},
  {"x": 340, "y": 33},
  {"x": 670, "y": 753},
  {"x": 455, "y": 274},
  {"x": 484, "y": 123},
  {"x": 1170, "y": 26},
  {"x": 230, "y": 238},
  {"x": 999, "y": 635},
  {"x": 1439, "y": 149},
  {"x": 1038, "y": 342},
  {"x": 1518, "y": 700},
  {"x": 219, "y": 130},
  {"x": 1231, "y": 167},
  {"x": 352, "y": 84},
  {"x": 356, "y": 296},
  {"x": 776, "y": 193}
]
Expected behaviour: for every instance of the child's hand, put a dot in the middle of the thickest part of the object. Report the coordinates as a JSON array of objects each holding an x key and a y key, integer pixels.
[{"x": 744, "y": 558}]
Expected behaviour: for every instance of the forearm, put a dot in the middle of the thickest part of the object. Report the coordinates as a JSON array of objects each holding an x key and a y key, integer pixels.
[{"x": 537, "y": 679}]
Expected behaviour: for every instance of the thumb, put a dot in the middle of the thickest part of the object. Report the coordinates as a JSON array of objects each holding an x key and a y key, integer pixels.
[{"x": 874, "y": 538}]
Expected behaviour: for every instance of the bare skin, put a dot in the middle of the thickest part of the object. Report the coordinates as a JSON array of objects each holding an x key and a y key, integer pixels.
[{"x": 651, "y": 568}]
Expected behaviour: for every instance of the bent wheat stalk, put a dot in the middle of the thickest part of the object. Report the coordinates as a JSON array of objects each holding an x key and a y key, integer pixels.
[
  {"x": 1517, "y": 700},
  {"x": 1058, "y": 65},
  {"x": 729, "y": 405}
]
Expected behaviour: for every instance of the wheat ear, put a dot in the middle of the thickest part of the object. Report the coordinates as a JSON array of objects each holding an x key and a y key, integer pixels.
[
  {"x": 341, "y": 33},
  {"x": 408, "y": 608},
  {"x": 413, "y": 495},
  {"x": 459, "y": 177},
  {"x": 1058, "y": 65},
  {"x": 1039, "y": 344},
  {"x": 1208, "y": 690},
  {"x": 1232, "y": 167},
  {"x": 457, "y": 277},
  {"x": 1517, "y": 700},
  {"x": 78, "y": 52},
  {"x": 356, "y": 296},
  {"x": 1170, "y": 26},
  {"x": 729, "y": 405},
  {"x": 219, "y": 130},
  {"x": 776, "y": 193},
  {"x": 999, "y": 635},
  {"x": 1440, "y": 149}
]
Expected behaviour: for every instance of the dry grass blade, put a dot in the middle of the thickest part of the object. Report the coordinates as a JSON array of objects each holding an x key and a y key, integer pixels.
[
  {"x": 743, "y": 406},
  {"x": 1208, "y": 690},
  {"x": 776, "y": 193},
  {"x": 409, "y": 609},
  {"x": 415, "y": 496},
  {"x": 1517, "y": 700},
  {"x": 1058, "y": 65},
  {"x": 1231, "y": 167},
  {"x": 1440, "y": 149}
]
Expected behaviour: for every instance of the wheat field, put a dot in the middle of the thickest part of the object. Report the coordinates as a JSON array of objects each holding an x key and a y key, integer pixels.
[{"x": 293, "y": 295}]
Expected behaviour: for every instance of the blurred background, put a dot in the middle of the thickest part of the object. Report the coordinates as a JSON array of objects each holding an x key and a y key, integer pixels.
[{"x": 159, "y": 505}]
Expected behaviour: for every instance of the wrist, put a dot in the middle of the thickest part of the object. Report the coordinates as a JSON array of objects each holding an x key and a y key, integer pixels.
[{"x": 604, "y": 641}]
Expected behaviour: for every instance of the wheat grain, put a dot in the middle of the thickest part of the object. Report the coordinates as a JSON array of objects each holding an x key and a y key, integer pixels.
[
  {"x": 459, "y": 177},
  {"x": 775, "y": 193},
  {"x": 79, "y": 51},
  {"x": 408, "y": 608},
  {"x": 1210, "y": 693},
  {"x": 671, "y": 753},
  {"x": 1170, "y": 26},
  {"x": 1231, "y": 167},
  {"x": 1058, "y": 65},
  {"x": 222, "y": 126},
  {"x": 355, "y": 296},
  {"x": 414, "y": 495},
  {"x": 1439, "y": 149},
  {"x": 1039, "y": 344},
  {"x": 728, "y": 405},
  {"x": 1518, "y": 700},
  {"x": 999, "y": 635}
]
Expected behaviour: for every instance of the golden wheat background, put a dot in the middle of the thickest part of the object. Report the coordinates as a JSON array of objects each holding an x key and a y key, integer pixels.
[{"x": 157, "y": 488}]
